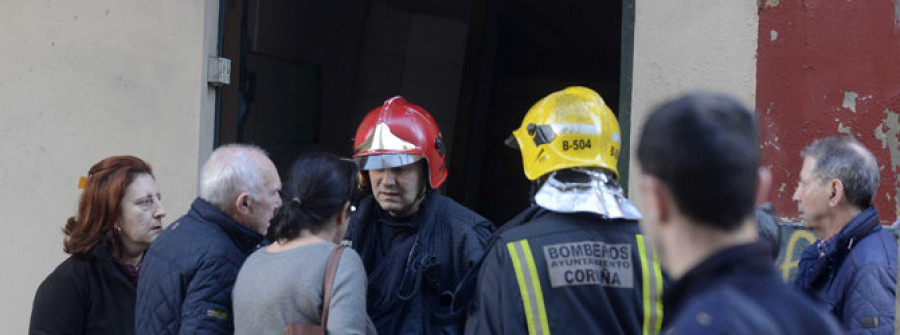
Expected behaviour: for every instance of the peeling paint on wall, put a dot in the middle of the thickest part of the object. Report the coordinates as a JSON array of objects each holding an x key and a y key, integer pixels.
[
  {"x": 889, "y": 140},
  {"x": 889, "y": 137},
  {"x": 897, "y": 13},
  {"x": 897, "y": 202},
  {"x": 772, "y": 3},
  {"x": 850, "y": 100},
  {"x": 844, "y": 130},
  {"x": 774, "y": 35}
]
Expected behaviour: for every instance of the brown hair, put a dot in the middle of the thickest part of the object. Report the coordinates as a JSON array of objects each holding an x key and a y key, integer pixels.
[{"x": 99, "y": 205}]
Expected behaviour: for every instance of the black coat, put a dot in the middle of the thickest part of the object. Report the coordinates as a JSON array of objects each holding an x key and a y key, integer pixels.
[
  {"x": 85, "y": 296},
  {"x": 567, "y": 273},
  {"x": 406, "y": 285}
]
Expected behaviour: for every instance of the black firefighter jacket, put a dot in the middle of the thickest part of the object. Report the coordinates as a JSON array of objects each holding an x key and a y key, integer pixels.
[
  {"x": 563, "y": 273},
  {"x": 414, "y": 264}
]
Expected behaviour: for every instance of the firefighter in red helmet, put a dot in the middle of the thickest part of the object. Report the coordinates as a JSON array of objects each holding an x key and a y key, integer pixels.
[{"x": 415, "y": 243}]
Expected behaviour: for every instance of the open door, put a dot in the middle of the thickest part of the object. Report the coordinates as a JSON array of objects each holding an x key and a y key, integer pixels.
[{"x": 306, "y": 72}]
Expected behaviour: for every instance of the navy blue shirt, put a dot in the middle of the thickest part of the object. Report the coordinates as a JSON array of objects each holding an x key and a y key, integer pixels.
[{"x": 737, "y": 291}]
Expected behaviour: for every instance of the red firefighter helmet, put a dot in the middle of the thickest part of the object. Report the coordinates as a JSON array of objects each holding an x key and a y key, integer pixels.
[{"x": 398, "y": 133}]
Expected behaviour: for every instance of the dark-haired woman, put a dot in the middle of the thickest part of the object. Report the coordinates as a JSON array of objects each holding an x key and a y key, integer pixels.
[
  {"x": 93, "y": 291},
  {"x": 281, "y": 284}
]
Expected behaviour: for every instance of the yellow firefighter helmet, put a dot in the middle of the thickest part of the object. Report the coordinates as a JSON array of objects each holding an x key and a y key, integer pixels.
[{"x": 567, "y": 129}]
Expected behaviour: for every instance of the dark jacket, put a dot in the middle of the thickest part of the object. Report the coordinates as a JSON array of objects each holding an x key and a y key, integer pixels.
[
  {"x": 84, "y": 296},
  {"x": 567, "y": 273},
  {"x": 189, "y": 271},
  {"x": 854, "y": 275},
  {"x": 737, "y": 291},
  {"x": 408, "y": 287}
]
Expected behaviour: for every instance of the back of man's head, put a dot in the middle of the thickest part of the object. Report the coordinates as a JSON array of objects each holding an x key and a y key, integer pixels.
[
  {"x": 704, "y": 148},
  {"x": 845, "y": 159},
  {"x": 231, "y": 170}
]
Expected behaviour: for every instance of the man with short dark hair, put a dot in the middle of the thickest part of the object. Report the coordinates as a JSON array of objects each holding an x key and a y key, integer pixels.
[
  {"x": 699, "y": 180},
  {"x": 189, "y": 271},
  {"x": 852, "y": 269}
]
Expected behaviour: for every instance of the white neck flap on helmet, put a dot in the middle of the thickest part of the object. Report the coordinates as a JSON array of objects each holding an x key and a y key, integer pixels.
[{"x": 597, "y": 194}]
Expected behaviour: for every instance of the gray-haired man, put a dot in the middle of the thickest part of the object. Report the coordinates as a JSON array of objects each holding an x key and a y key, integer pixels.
[
  {"x": 189, "y": 271},
  {"x": 852, "y": 269}
]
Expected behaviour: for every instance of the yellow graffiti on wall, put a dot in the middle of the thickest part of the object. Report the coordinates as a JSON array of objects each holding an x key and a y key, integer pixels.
[{"x": 790, "y": 259}]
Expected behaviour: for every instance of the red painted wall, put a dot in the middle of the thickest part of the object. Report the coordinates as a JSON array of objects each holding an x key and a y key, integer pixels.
[{"x": 829, "y": 67}]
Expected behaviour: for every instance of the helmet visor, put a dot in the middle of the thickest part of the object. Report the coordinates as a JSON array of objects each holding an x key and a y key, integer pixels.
[
  {"x": 511, "y": 142},
  {"x": 386, "y": 161}
]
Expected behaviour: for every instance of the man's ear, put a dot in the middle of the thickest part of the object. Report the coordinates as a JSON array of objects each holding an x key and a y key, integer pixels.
[
  {"x": 764, "y": 184},
  {"x": 657, "y": 198},
  {"x": 242, "y": 203},
  {"x": 836, "y": 188}
]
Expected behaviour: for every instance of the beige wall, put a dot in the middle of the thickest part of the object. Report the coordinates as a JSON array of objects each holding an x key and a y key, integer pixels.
[
  {"x": 82, "y": 80},
  {"x": 681, "y": 46}
]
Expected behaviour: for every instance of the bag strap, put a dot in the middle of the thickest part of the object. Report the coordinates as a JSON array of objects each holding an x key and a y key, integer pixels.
[{"x": 330, "y": 270}]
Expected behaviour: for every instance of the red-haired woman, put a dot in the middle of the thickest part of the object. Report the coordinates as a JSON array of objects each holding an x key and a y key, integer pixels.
[{"x": 93, "y": 291}]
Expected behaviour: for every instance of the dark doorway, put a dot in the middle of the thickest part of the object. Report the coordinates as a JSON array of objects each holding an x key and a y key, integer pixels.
[
  {"x": 306, "y": 72},
  {"x": 528, "y": 49}
]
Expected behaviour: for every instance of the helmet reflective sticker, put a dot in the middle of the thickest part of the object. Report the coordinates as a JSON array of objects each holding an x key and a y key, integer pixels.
[{"x": 383, "y": 140}]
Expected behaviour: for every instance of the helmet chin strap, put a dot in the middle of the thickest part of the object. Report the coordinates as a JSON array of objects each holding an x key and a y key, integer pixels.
[
  {"x": 421, "y": 197},
  {"x": 424, "y": 180}
]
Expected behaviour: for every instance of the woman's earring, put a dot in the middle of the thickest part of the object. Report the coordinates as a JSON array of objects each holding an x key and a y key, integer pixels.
[{"x": 118, "y": 230}]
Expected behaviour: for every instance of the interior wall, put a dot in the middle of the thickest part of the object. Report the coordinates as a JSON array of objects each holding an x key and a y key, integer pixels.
[
  {"x": 83, "y": 80},
  {"x": 414, "y": 54},
  {"x": 682, "y": 46},
  {"x": 301, "y": 64},
  {"x": 529, "y": 49},
  {"x": 314, "y": 69}
]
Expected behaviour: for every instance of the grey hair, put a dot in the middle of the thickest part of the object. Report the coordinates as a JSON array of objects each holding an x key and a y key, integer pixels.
[
  {"x": 845, "y": 159},
  {"x": 230, "y": 170}
]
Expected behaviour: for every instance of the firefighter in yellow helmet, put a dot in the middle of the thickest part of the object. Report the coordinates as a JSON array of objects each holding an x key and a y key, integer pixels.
[{"x": 574, "y": 261}]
